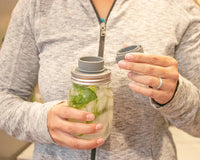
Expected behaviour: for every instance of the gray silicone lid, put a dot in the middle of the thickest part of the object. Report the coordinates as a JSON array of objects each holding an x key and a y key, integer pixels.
[
  {"x": 91, "y": 71},
  {"x": 91, "y": 64},
  {"x": 130, "y": 49}
]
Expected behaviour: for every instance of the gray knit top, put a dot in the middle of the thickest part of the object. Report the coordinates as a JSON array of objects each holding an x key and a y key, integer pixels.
[{"x": 44, "y": 40}]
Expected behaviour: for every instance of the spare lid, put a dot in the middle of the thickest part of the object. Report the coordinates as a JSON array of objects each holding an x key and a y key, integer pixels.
[{"x": 130, "y": 49}]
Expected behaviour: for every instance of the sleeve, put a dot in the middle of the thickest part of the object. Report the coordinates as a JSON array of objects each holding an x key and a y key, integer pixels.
[
  {"x": 19, "y": 65},
  {"x": 183, "y": 111}
]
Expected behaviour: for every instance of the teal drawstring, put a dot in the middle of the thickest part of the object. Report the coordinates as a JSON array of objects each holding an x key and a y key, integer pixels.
[{"x": 102, "y": 20}]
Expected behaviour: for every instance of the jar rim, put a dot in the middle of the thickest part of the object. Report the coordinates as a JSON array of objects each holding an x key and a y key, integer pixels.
[{"x": 90, "y": 78}]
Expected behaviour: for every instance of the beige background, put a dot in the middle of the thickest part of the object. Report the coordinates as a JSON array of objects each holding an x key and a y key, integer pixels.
[{"x": 6, "y": 7}]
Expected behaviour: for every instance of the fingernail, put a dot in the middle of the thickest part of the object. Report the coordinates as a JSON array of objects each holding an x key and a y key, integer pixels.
[
  {"x": 122, "y": 64},
  {"x": 100, "y": 141},
  {"x": 131, "y": 85},
  {"x": 90, "y": 117},
  {"x": 130, "y": 75},
  {"x": 124, "y": 45},
  {"x": 129, "y": 56},
  {"x": 99, "y": 126}
]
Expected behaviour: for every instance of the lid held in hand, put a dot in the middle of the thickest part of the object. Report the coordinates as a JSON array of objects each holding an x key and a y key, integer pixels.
[{"x": 122, "y": 52}]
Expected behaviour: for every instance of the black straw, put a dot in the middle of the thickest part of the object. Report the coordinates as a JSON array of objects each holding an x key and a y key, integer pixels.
[{"x": 93, "y": 154}]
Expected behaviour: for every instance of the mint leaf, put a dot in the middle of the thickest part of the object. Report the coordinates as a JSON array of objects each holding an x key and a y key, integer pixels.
[
  {"x": 83, "y": 96},
  {"x": 98, "y": 113}
]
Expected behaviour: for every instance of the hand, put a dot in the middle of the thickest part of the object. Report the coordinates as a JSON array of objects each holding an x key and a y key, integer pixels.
[
  {"x": 61, "y": 129},
  {"x": 146, "y": 69}
]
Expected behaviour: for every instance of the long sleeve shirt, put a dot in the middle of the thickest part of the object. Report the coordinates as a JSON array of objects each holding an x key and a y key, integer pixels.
[{"x": 44, "y": 40}]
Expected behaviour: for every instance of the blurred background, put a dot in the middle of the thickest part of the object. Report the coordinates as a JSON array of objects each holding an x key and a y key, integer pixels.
[
  {"x": 188, "y": 147},
  {"x": 6, "y": 7}
]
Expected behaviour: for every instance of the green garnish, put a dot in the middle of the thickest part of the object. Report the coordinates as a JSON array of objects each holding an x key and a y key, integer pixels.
[
  {"x": 83, "y": 96},
  {"x": 98, "y": 113}
]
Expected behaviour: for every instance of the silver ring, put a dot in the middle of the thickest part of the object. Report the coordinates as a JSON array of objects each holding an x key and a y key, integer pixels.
[{"x": 160, "y": 83}]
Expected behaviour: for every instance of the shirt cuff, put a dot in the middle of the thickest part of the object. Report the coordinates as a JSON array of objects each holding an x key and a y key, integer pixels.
[
  {"x": 42, "y": 131},
  {"x": 176, "y": 103}
]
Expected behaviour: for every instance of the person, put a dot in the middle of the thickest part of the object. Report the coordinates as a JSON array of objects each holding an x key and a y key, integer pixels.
[{"x": 43, "y": 43}]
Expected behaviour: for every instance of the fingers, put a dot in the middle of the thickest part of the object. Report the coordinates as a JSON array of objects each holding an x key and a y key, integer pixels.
[
  {"x": 152, "y": 81},
  {"x": 78, "y": 128},
  {"x": 65, "y": 112},
  {"x": 153, "y": 65},
  {"x": 153, "y": 59},
  {"x": 69, "y": 141},
  {"x": 59, "y": 116},
  {"x": 149, "y": 69},
  {"x": 160, "y": 96},
  {"x": 61, "y": 129}
]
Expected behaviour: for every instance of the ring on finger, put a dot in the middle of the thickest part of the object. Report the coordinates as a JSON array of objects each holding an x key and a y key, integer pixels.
[{"x": 160, "y": 84}]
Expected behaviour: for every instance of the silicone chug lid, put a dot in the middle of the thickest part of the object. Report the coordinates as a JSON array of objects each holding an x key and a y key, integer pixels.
[
  {"x": 122, "y": 52},
  {"x": 91, "y": 64},
  {"x": 91, "y": 71}
]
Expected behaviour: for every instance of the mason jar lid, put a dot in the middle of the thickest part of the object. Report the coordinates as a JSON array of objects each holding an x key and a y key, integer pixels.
[
  {"x": 90, "y": 71},
  {"x": 90, "y": 79}
]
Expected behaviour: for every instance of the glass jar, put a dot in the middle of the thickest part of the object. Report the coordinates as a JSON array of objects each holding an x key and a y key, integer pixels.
[{"x": 91, "y": 92}]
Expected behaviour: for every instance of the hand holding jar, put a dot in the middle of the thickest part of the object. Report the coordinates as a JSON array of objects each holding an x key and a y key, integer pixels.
[
  {"x": 62, "y": 130},
  {"x": 85, "y": 122}
]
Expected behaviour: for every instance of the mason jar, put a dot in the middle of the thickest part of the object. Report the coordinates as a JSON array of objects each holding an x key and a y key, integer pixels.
[{"x": 91, "y": 92}]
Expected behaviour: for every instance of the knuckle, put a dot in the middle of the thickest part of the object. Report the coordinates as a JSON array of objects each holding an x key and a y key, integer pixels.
[
  {"x": 130, "y": 65},
  {"x": 51, "y": 124},
  {"x": 171, "y": 60},
  {"x": 54, "y": 137},
  {"x": 176, "y": 76},
  {"x": 69, "y": 128},
  {"x": 151, "y": 94},
  {"x": 174, "y": 62},
  {"x": 75, "y": 144},
  {"x": 91, "y": 146},
  {"x": 154, "y": 59},
  {"x": 173, "y": 73},
  {"x": 151, "y": 81},
  {"x": 92, "y": 128},
  {"x": 150, "y": 70},
  {"x": 53, "y": 110},
  {"x": 67, "y": 112},
  {"x": 76, "y": 114},
  {"x": 89, "y": 128},
  {"x": 83, "y": 116}
]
